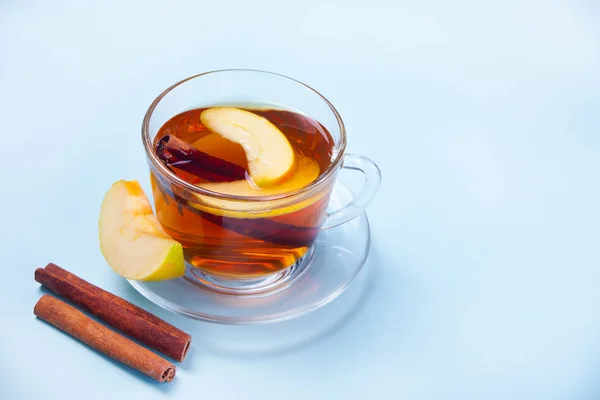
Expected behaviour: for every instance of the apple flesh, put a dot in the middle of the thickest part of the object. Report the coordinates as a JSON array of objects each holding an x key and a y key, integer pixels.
[
  {"x": 132, "y": 240},
  {"x": 269, "y": 153}
]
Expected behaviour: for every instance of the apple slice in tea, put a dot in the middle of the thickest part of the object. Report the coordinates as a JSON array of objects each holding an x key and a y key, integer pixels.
[
  {"x": 306, "y": 172},
  {"x": 270, "y": 156}
]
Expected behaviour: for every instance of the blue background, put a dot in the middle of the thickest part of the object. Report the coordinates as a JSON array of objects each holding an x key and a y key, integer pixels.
[{"x": 484, "y": 117}]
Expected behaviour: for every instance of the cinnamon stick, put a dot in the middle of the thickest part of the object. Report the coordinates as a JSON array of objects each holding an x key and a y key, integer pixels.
[
  {"x": 117, "y": 312},
  {"x": 174, "y": 152},
  {"x": 77, "y": 324},
  {"x": 264, "y": 229}
]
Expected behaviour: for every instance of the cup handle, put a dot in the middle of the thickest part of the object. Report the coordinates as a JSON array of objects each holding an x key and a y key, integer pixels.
[{"x": 364, "y": 196}]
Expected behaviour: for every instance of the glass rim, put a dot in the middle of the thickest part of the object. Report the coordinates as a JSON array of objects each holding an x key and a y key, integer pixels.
[{"x": 149, "y": 147}]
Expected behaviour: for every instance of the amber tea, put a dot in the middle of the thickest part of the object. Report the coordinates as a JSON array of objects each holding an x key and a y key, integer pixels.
[{"x": 242, "y": 153}]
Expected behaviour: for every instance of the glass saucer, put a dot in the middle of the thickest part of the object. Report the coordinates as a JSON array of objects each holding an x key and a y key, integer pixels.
[{"x": 338, "y": 255}]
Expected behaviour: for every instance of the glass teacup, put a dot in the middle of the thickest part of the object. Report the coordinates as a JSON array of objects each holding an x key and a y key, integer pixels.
[{"x": 236, "y": 243}]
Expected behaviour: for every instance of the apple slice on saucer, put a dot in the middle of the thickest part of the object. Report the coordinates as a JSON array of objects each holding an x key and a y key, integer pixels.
[
  {"x": 132, "y": 240},
  {"x": 269, "y": 153}
]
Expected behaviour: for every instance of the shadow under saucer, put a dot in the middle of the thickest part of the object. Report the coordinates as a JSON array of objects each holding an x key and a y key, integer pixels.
[{"x": 269, "y": 340}]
